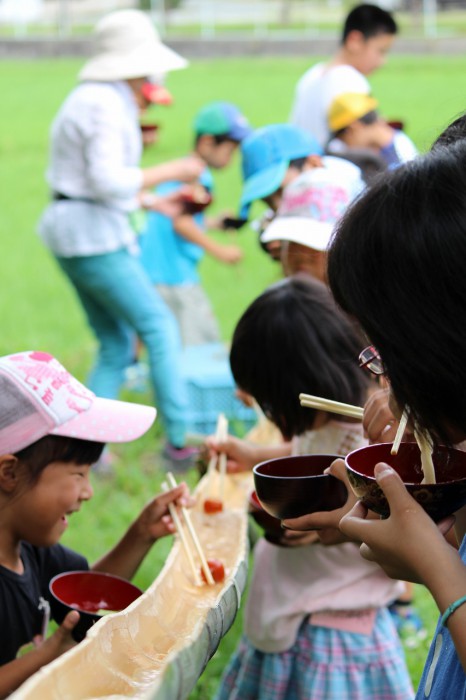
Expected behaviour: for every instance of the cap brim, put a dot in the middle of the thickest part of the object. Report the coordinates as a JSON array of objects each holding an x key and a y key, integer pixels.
[
  {"x": 263, "y": 183},
  {"x": 109, "y": 421},
  {"x": 299, "y": 229},
  {"x": 239, "y": 132},
  {"x": 244, "y": 212},
  {"x": 157, "y": 94}
]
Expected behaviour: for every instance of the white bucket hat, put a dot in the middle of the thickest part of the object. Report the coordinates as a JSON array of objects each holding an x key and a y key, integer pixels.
[{"x": 127, "y": 45}]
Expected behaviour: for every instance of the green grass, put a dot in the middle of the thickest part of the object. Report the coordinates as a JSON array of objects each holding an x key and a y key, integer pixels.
[{"x": 38, "y": 309}]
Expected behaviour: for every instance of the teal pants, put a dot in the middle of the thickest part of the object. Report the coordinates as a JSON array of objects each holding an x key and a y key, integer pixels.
[{"x": 120, "y": 302}]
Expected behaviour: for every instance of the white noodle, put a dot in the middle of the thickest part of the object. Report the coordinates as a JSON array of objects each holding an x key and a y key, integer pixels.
[{"x": 427, "y": 465}]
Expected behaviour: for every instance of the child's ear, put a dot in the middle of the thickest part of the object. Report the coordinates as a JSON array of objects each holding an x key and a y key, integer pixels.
[
  {"x": 205, "y": 141},
  {"x": 355, "y": 41},
  {"x": 9, "y": 473}
]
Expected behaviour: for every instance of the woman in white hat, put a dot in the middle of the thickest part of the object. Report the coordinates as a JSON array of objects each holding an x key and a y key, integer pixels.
[{"x": 96, "y": 183}]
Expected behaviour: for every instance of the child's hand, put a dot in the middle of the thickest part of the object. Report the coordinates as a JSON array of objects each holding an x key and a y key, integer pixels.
[
  {"x": 155, "y": 521},
  {"x": 229, "y": 254},
  {"x": 226, "y": 221},
  {"x": 326, "y": 523},
  {"x": 241, "y": 455},
  {"x": 408, "y": 545},
  {"x": 16, "y": 672},
  {"x": 61, "y": 640},
  {"x": 379, "y": 423},
  {"x": 187, "y": 169},
  {"x": 172, "y": 204}
]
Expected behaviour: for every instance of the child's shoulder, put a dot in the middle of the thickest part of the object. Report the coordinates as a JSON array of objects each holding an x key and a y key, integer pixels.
[
  {"x": 52, "y": 560},
  {"x": 336, "y": 437}
]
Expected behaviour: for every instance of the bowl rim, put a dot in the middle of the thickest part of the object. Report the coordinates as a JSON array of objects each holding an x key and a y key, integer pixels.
[
  {"x": 406, "y": 483},
  {"x": 65, "y": 574},
  {"x": 292, "y": 457}
]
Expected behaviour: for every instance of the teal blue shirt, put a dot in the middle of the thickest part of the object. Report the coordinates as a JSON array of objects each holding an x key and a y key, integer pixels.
[{"x": 167, "y": 257}]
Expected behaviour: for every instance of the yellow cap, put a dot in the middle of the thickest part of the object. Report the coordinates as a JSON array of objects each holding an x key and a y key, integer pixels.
[{"x": 348, "y": 108}]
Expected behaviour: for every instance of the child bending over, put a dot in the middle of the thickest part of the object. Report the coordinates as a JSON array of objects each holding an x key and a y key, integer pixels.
[
  {"x": 316, "y": 621},
  {"x": 172, "y": 248},
  {"x": 411, "y": 307}
]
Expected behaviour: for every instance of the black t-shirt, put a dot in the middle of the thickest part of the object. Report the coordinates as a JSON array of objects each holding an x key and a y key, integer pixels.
[{"x": 22, "y": 596}]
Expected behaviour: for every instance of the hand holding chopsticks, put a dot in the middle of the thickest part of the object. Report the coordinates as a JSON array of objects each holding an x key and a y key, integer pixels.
[
  {"x": 187, "y": 519},
  {"x": 343, "y": 409},
  {"x": 184, "y": 541}
]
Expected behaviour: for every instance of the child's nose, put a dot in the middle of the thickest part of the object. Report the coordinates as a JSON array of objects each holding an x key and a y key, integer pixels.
[{"x": 87, "y": 491}]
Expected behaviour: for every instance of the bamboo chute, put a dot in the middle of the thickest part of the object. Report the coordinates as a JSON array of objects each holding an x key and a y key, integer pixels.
[{"x": 157, "y": 648}]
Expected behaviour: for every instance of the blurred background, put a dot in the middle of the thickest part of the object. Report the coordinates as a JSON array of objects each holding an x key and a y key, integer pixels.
[{"x": 209, "y": 19}]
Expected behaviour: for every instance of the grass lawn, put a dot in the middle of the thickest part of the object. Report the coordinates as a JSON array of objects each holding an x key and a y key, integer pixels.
[{"x": 38, "y": 309}]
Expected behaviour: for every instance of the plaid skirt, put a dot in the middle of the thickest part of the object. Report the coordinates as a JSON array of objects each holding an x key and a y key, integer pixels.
[{"x": 323, "y": 664}]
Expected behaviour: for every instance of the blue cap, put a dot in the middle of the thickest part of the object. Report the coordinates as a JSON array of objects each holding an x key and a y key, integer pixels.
[
  {"x": 222, "y": 119},
  {"x": 267, "y": 153}
]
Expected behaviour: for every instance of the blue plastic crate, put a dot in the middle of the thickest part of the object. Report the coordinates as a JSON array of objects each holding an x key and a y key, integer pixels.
[{"x": 211, "y": 390}]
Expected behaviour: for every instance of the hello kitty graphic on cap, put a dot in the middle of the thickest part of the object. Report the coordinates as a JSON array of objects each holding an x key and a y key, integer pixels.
[{"x": 39, "y": 397}]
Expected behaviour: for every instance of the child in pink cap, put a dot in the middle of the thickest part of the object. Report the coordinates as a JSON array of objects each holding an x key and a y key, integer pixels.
[{"x": 52, "y": 429}]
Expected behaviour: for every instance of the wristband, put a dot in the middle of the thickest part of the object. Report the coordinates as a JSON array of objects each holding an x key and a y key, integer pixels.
[{"x": 451, "y": 609}]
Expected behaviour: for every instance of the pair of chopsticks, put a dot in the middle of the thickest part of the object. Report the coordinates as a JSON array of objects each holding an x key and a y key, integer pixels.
[
  {"x": 184, "y": 540},
  {"x": 345, "y": 409},
  {"x": 220, "y": 460}
]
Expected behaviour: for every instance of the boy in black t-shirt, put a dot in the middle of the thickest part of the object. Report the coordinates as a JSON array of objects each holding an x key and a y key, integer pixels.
[{"x": 52, "y": 429}]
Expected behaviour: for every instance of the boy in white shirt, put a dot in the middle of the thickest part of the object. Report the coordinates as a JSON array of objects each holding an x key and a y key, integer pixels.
[{"x": 368, "y": 34}]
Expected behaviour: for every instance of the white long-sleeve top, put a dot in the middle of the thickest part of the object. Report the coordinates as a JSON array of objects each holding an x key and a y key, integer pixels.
[{"x": 95, "y": 151}]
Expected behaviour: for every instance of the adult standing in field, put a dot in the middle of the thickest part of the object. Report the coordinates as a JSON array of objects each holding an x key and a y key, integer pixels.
[
  {"x": 96, "y": 183},
  {"x": 368, "y": 34}
]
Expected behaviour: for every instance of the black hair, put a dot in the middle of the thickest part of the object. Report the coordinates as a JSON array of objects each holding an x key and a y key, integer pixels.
[
  {"x": 398, "y": 264},
  {"x": 454, "y": 132},
  {"x": 218, "y": 138},
  {"x": 293, "y": 339},
  {"x": 370, "y": 20},
  {"x": 57, "y": 448},
  {"x": 298, "y": 163}
]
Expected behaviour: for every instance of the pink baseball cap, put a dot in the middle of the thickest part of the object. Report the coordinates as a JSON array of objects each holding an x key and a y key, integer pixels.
[{"x": 39, "y": 397}]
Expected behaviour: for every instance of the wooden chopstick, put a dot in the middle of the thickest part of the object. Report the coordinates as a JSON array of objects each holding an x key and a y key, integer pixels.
[
  {"x": 184, "y": 540},
  {"x": 222, "y": 459},
  {"x": 214, "y": 460},
  {"x": 194, "y": 537},
  {"x": 400, "y": 432},
  {"x": 343, "y": 409}
]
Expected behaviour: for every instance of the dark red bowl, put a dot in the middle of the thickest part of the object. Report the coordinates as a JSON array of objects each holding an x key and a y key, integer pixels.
[
  {"x": 90, "y": 591},
  {"x": 271, "y": 526},
  {"x": 289, "y": 487},
  {"x": 438, "y": 500},
  {"x": 150, "y": 128},
  {"x": 196, "y": 199}
]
